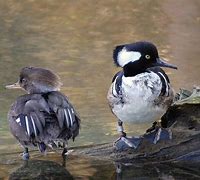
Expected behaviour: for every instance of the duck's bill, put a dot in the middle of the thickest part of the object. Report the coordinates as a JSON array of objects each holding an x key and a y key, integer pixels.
[
  {"x": 13, "y": 86},
  {"x": 162, "y": 63}
]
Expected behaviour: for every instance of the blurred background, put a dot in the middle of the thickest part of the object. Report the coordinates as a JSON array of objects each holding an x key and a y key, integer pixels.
[{"x": 75, "y": 39}]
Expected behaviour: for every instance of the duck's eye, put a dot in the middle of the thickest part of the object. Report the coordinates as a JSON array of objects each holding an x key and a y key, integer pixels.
[
  {"x": 147, "y": 56},
  {"x": 23, "y": 80}
]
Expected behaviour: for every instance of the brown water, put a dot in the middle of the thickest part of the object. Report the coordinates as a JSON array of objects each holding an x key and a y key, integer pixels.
[{"x": 75, "y": 39}]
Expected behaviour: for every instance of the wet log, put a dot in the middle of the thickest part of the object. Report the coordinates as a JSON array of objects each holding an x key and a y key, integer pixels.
[{"x": 183, "y": 118}]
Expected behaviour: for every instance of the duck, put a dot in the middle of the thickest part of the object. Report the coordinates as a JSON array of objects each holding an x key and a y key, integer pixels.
[
  {"x": 140, "y": 93},
  {"x": 43, "y": 117}
]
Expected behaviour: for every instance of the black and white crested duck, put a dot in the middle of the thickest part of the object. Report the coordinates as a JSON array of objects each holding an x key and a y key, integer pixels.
[
  {"x": 43, "y": 117},
  {"x": 141, "y": 92}
]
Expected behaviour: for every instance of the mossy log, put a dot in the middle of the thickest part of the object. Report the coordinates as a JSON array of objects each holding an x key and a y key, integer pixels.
[{"x": 183, "y": 118}]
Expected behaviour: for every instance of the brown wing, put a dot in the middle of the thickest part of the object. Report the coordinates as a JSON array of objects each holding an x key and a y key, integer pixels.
[
  {"x": 67, "y": 117},
  {"x": 49, "y": 116},
  {"x": 28, "y": 114}
]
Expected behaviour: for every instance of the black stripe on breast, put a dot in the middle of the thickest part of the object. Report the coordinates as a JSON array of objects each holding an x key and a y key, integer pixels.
[
  {"x": 164, "y": 79},
  {"x": 164, "y": 85},
  {"x": 118, "y": 82}
]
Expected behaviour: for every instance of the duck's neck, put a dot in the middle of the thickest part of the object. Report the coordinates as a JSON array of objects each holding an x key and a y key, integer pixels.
[
  {"x": 132, "y": 69},
  {"x": 41, "y": 88}
]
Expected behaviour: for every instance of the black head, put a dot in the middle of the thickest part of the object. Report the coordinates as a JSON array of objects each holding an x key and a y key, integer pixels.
[
  {"x": 137, "y": 57},
  {"x": 37, "y": 80}
]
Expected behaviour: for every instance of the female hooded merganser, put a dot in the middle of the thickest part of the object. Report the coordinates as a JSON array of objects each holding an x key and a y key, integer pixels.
[
  {"x": 43, "y": 117},
  {"x": 141, "y": 92}
]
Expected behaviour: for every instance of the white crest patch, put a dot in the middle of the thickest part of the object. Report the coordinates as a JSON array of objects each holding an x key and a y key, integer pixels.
[{"x": 124, "y": 57}]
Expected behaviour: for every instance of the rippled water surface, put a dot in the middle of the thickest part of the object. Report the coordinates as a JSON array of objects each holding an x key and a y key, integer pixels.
[{"x": 75, "y": 39}]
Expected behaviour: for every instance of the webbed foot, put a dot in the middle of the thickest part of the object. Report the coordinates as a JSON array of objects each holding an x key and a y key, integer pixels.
[
  {"x": 124, "y": 143},
  {"x": 25, "y": 155},
  {"x": 42, "y": 147},
  {"x": 158, "y": 134}
]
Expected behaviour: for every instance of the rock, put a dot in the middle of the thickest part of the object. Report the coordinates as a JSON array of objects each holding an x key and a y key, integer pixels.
[{"x": 40, "y": 169}]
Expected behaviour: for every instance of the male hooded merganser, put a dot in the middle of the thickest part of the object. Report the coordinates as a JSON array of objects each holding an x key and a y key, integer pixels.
[
  {"x": 43, "y": 117},
  {"x": 141, "y": 92}
]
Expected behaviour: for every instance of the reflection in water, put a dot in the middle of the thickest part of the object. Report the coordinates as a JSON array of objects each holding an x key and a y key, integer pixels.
[
  {"x": 158, "y": 171},
  {"x": 76, "y": 38}
]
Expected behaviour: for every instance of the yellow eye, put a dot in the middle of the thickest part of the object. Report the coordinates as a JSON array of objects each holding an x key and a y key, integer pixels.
[{"x": 147, "y": 56}]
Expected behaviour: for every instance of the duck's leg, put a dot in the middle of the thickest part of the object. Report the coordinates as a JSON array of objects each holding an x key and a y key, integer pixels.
[
  {"x": 125, "y": 142},
  {"x": 25, "y": 155},
  {"x": 64, "y": 153},
  {"x": 120, "y": 129},
  {"x": 42, "y": 147},
  {"x": 154, "y": 125},
  {"x": 157, "y": 133}
]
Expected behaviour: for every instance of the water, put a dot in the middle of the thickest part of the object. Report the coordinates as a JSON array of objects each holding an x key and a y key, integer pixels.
[{"x": 75, "y": 39}]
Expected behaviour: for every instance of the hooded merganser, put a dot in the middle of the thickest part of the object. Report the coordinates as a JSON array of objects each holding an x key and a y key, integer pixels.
[
  {"x": 43, "y": 117},
  {"x": 141, "y": 92}
]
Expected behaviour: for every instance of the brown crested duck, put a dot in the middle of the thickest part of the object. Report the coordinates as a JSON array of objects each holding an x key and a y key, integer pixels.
[{"x": 43, "y": 117}]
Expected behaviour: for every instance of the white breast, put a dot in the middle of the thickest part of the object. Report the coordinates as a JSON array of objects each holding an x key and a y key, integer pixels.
[{"x": 139, "y": 93}]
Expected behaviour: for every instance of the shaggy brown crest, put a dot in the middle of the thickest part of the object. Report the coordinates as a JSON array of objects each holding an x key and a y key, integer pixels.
[
  {"x": 37, "y": 80},
  {"x": 43, "y": 117}
]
